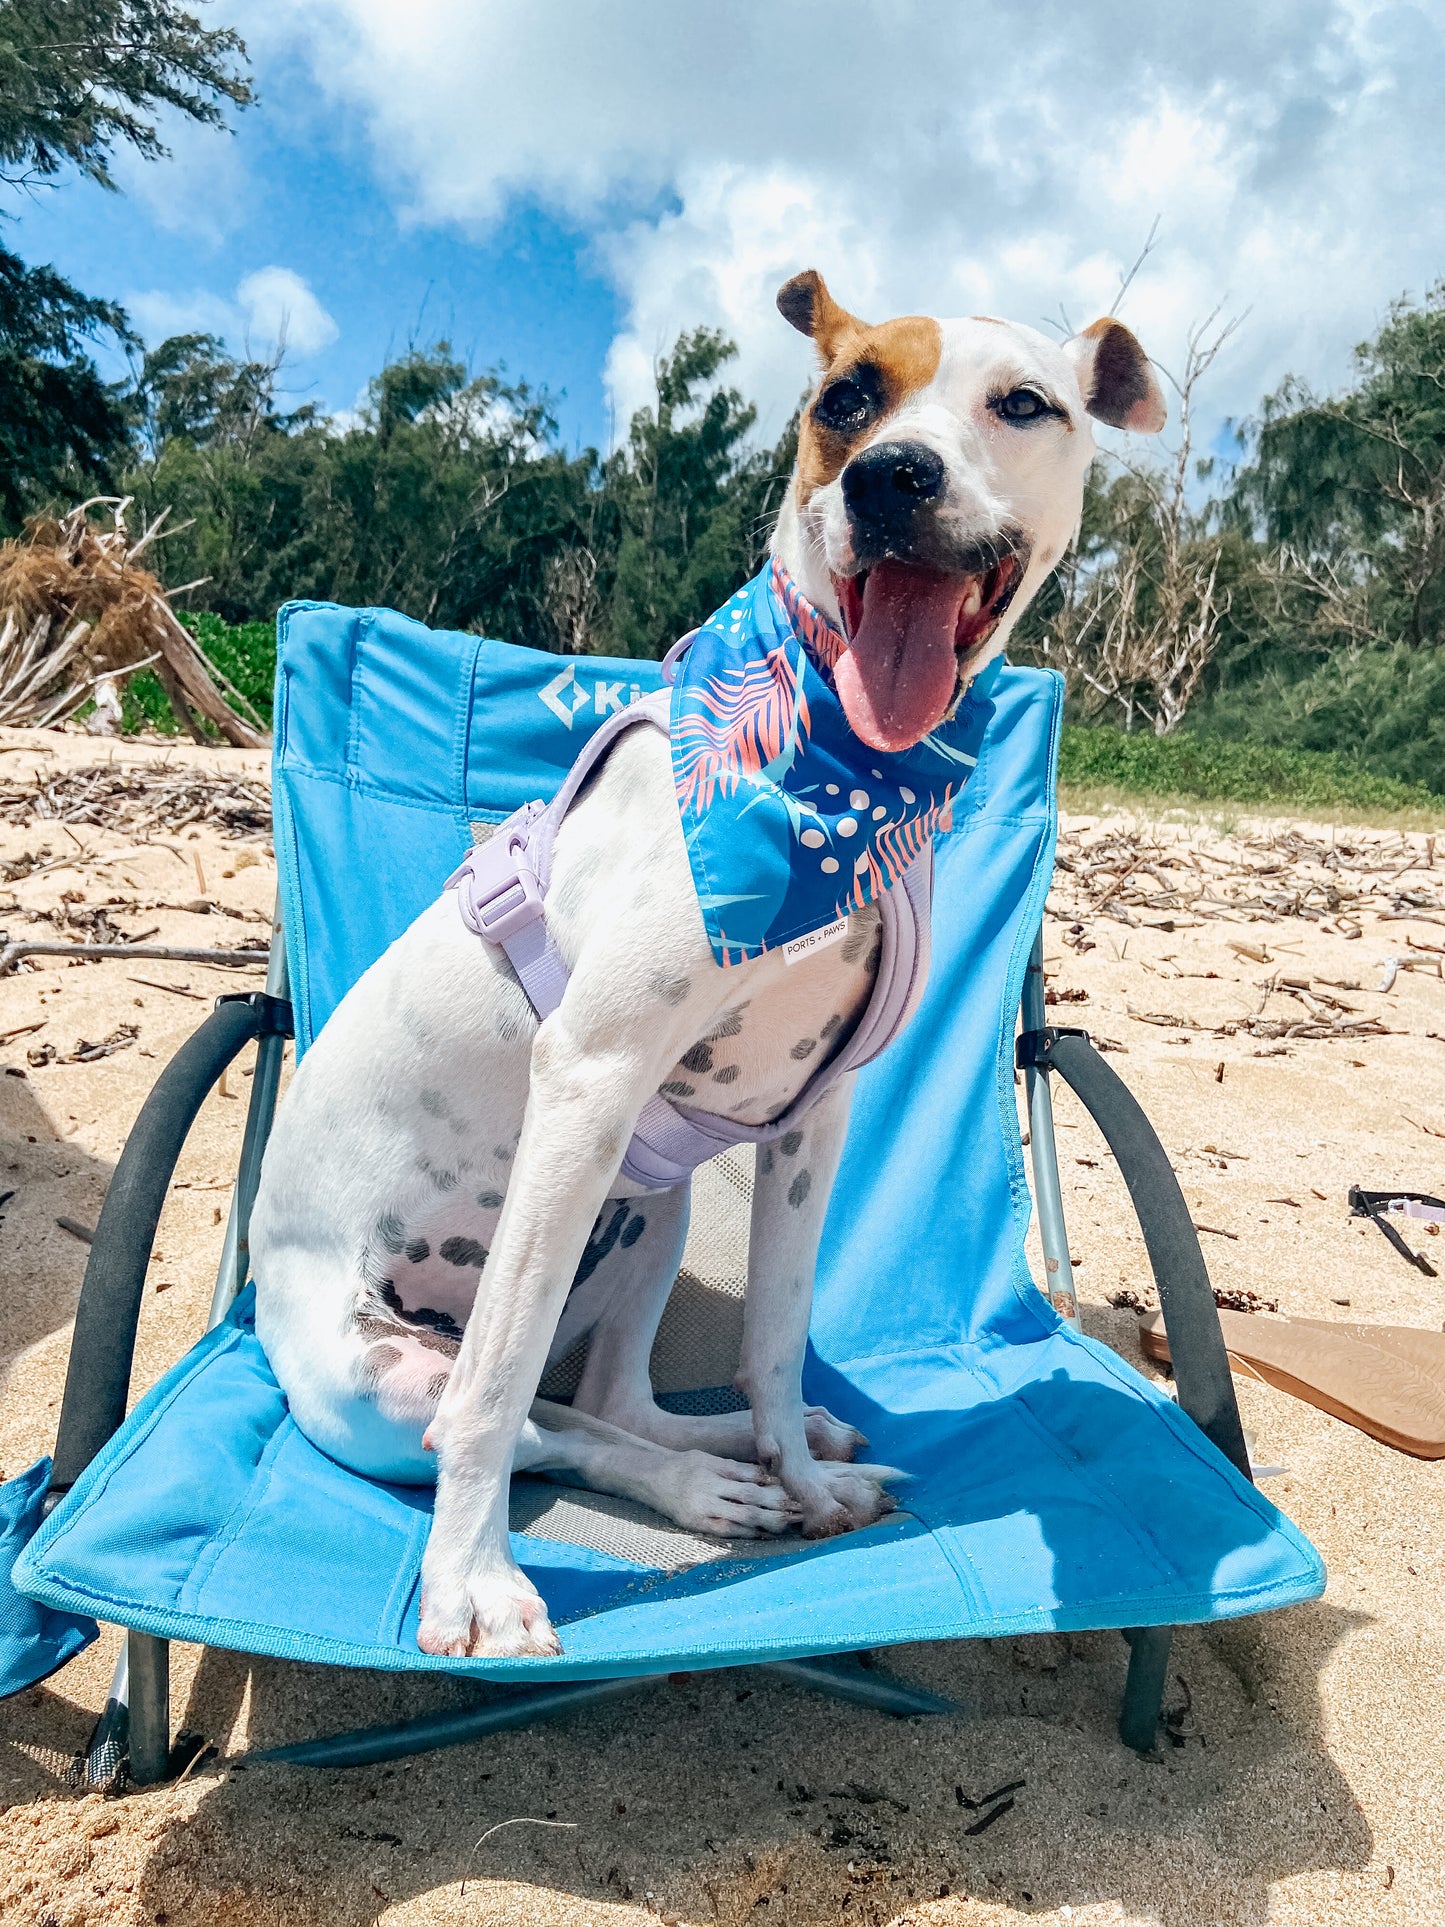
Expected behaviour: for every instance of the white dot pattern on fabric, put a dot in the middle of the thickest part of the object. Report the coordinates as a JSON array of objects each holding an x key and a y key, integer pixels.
[
  {"x": 862, "y": 863},
  {"x": 832, "y": 788},
  {"x": 847, "y": 826},
  {"x": 813, "y": 839},
  {"x": 878, "y": 773},
  {"x": 907, "y": 795},
  {"x": 879, "y": 814},
  {"x": 830, "y": 864},
  {"x": 859, "y": 799}
]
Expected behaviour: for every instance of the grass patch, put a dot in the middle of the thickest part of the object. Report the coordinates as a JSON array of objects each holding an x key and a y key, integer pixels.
[
  {"x": 1101, "y": 762},
  {"x": 244, "y": 653}
]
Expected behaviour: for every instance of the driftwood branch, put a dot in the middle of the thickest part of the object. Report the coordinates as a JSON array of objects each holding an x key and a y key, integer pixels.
[{"x": 79, "y": 614}]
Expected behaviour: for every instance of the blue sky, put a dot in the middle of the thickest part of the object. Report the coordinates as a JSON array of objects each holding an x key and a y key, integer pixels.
[
  {"x": 524, "y": 293},
  {"x": 561, "y": 188}
]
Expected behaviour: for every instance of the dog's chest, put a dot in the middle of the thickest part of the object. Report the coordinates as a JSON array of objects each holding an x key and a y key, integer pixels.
[
  {"x": 786, "y": 1023},
  {"x": 756, "y": 1032}
]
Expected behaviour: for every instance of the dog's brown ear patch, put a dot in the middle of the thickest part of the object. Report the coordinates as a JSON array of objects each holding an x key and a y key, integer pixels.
[
  {"x": 807, "y": 304},
  {"x": 1118, "y": 384}
]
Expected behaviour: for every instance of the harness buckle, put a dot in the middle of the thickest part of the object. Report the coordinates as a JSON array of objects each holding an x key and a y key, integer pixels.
[{"x": 497, "y": 885}]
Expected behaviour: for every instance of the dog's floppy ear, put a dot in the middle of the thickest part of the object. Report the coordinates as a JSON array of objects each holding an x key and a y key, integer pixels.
[
  {"x": 806, "y": 302},
  {"x": 1117, "y": 382}
]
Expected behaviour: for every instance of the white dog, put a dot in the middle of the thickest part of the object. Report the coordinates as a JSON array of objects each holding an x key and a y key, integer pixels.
[{"x": 445, "y": 1201}]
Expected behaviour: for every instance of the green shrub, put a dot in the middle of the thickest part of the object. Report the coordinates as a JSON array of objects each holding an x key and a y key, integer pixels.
[
  {"x": 244, "y": 654},
  {"x": 1214, "y": 770},
  {"x": 1383, "y": 709}
]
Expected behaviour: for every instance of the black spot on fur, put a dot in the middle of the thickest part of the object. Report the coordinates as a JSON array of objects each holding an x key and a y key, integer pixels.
[
  {"x": 632, "y": 1231},
  {"x": 391, "y": 1232},
  {"x": 729, "y": 1074},
  {"x": 672, "y": 990},
  {"x": 790, "y": 1142},
  {"x": 490, "y": 1200},
  {"x": 605, "y": 1233},
  {"x": 678, "y": 1089},
  {"x": 831, "y": 1025},
  {"x": 699, "y": 1058},
  {"x": 417, "y": 1250},
  {"x": 463, "y": 1251},
  {"x": 502, "y": 1152},
  {"x": 804, "y": 1047},
  {"x": 378, "y": 1362},
  {"x": 766, "y": 1159},
  {"x": 870, "y": 962},
  {"x": 437, "y": 1385},
  {"x": 730, "y": 1024},
  {"x": 799, "y": 1188},
  {"x": 438, "y": 1331},
  {"x": 433, "y": 1103},
  {"x": 437, "y": 1176}
]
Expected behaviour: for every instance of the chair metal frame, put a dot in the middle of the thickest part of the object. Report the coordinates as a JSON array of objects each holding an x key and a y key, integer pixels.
[{"x": 135, "y": 1726}]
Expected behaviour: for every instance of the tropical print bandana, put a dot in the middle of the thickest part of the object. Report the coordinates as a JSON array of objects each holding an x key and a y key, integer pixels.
[{"x": 791, "y": 821}]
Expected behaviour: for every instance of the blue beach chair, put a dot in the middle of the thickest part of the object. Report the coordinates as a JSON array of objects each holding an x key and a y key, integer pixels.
[{"x": 1052, "y": 1487}]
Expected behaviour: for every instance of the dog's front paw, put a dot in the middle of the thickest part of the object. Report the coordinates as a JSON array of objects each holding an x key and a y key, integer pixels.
[
  {"x": 837, "y": 1498},
  {"x": 487, "y": 1614},
  {"x": 724, "y": 1497},
  {"x": 829, "y": 1437}
]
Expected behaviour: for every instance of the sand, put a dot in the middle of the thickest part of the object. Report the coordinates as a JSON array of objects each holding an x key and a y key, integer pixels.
[{"x": 1304, "y": 1778}]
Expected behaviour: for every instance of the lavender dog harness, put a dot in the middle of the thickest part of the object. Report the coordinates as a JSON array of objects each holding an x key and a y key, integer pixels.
[{"x": 772, "y": 799}]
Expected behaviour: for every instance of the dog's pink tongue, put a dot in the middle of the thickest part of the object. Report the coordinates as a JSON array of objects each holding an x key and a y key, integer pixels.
[{"x": 897, "y": 677}]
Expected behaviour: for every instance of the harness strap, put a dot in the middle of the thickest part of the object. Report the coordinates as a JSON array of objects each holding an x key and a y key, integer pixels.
[{"x": 501, "y": 892}]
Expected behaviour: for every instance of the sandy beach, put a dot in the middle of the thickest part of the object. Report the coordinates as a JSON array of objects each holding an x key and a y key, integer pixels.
[{"x": 1271, "y": 992}]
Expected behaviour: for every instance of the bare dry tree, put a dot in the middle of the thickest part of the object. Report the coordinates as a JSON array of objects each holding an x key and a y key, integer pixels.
[
  {"x": 570, "y": 600},
  {"x": 79, "y": 613},
  {"x": 1136, "y": 635}
]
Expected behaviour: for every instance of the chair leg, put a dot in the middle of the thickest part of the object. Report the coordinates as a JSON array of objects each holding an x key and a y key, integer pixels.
[
  {"x": 842, "y": 1677},
  {"x": 1144, "y": 1687},
  {"x": 150, "y": 1708}
]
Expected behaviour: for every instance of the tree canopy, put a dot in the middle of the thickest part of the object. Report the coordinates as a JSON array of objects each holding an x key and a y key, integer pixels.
[{"x": 80, "y": 77}]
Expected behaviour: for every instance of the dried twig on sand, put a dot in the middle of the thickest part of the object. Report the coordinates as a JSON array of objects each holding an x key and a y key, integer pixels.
[
  {"x": 166, "y": 797},
  {"x": 1266, "y": 875},
  {"x": 79, "y": 613}
]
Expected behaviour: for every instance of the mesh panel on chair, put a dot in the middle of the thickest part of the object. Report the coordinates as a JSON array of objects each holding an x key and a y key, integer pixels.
[
  {"x": 699, "y": 1339},
  {"x": 694, "y": 1360}
]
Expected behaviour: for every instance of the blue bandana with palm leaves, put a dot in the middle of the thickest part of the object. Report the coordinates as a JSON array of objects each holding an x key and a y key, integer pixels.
[{"x": 791, "y": 821}]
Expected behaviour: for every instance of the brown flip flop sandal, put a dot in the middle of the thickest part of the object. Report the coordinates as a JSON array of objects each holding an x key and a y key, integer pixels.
[{"x": 1389, "y": 1380}]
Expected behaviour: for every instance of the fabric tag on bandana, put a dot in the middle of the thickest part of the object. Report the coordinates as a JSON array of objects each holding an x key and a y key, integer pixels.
[
  {"x": 791, "y": 821},
  {"x": 801, "y": 947}
]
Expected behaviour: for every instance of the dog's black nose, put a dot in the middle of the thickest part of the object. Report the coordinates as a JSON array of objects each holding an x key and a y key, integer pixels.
[{"x": 891, "y": 481}]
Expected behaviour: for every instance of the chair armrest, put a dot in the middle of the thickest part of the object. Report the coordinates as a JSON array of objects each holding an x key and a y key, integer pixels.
[
  {"x": 1191, "y": 1318},
  {"x": 97, "y": 1379}
]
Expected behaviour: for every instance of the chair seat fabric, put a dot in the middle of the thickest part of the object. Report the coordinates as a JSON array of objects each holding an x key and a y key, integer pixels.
[{"x": 1051, "y": 1487}]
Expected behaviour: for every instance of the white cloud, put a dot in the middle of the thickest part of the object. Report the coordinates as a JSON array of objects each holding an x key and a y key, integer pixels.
[
  {"x": 280, "y": 308},
  {"x": 273, "y": 307},
  {"x": 943, "y": 155}
]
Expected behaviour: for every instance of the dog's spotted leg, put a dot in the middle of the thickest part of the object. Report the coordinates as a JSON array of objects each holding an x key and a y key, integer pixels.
[
  {"x": 622, "y": 1302},
  {"x": 593, "y": 1067},
  {"x": 790, "y": 1198}
]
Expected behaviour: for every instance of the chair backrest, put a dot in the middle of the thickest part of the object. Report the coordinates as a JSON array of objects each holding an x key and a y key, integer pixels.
[{"x": 392, "y": 740}]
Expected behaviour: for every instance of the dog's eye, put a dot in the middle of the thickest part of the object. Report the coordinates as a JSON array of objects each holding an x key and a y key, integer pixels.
[
  {"x": 845, "y": 404},
  {"x": 1023, "y": 405}
]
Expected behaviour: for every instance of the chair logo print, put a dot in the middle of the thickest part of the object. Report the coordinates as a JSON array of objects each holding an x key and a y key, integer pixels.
[{"x": 566, "y": 696}]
